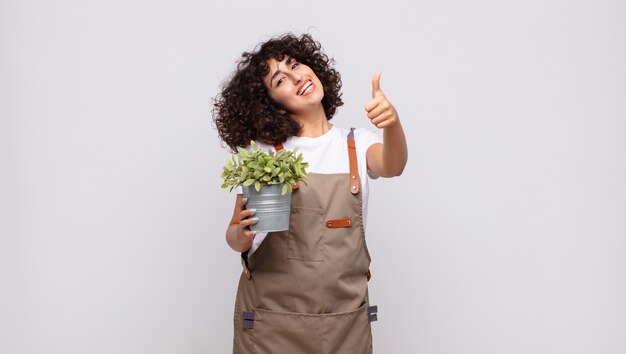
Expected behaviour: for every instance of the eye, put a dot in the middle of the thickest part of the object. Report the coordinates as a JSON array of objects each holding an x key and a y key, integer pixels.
[{"x": 292, "y": 67}]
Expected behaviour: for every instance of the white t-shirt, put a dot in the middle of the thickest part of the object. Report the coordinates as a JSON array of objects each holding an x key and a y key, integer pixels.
[{"x": 328, "y": 153}]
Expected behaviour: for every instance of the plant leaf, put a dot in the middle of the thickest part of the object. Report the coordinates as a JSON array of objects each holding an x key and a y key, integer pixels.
[{"x": 243, "y": 153}]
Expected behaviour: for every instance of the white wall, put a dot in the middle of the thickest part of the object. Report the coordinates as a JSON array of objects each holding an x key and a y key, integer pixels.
[{"x": 505, "y": 234}]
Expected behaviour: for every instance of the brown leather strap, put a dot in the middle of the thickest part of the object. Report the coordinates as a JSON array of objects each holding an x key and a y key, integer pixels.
[
  {"x": 336, "y": 223},
  {"x": 355, "y": 180},
  {"x": 279, "y": 146}
]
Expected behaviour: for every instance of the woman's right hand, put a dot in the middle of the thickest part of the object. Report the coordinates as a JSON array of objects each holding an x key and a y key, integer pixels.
[
  {"x": 238, "y": 234},
  {"x": 246, "y": 218}
]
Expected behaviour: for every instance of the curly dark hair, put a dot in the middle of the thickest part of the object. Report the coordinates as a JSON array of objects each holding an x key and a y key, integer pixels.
[{"x": 244, "y": 111}]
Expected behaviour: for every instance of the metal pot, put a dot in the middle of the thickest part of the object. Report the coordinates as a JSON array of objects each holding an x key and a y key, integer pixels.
[{"x": 272, "y": 208}]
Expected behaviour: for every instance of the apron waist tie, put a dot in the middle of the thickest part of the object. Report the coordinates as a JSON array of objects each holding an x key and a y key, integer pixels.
[
  {"x": 248, "y": 319},
  {"x": 372, "y": 312}
]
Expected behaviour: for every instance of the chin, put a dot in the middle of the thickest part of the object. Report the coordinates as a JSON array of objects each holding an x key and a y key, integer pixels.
[{"x": 320, "y": 94}]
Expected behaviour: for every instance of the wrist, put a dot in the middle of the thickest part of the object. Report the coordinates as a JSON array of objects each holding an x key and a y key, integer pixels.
[{"x": 244, "y": 242}]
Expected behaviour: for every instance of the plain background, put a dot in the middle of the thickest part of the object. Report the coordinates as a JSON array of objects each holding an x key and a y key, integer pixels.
[{"x": 505, "y": 234}]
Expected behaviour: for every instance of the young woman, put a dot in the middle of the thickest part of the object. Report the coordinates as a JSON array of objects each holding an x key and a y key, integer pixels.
[{"x": 305, "y": 290}]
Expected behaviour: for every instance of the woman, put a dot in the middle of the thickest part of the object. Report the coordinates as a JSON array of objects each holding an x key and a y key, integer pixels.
[{"x": 305, "y": 290}]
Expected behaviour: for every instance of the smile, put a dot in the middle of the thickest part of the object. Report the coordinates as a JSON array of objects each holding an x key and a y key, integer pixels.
[{"x": 307, "y": 89}]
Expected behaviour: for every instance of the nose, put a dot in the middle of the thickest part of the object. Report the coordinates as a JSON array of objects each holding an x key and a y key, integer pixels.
[{"x": 297, "y": 78}]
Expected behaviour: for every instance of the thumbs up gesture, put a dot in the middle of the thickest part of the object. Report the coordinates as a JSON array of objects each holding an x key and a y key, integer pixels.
[{"x": 379, "y": 110}]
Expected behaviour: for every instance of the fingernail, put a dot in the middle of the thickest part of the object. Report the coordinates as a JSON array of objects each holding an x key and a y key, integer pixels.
[
  {"x": 252, "y": 211},
  {"x": 245, "y": 199},
  {"x": 255, "y": 219}
]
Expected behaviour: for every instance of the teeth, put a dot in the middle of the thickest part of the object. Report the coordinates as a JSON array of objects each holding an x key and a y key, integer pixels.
[{"x": 305, "y": 87}]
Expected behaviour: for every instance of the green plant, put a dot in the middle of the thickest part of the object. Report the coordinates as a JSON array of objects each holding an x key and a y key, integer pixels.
[{"x": 256, "y": 166}]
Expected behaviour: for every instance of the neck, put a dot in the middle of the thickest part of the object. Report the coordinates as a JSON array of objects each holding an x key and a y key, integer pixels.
[{"x": 313, "y": 123}]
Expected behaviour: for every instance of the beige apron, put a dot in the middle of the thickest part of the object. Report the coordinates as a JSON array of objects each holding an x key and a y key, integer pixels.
[{"x": 305, "y": 290}]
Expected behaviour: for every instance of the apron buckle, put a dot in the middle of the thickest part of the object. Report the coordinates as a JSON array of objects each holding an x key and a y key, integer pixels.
[
  {"x": 248, "y": 319},
  {"x": 372, "y": 313}
]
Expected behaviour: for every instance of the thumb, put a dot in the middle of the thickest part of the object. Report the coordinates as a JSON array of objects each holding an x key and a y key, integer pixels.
[{"x": 376, "y": 84}]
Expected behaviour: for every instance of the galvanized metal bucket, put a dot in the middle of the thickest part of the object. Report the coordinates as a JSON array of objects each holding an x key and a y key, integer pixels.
[{"x": 272, "y": 208}]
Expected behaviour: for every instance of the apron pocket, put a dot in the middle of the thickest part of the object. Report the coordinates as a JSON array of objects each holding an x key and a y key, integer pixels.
[
  {"x": 306, "y": 234},
  {"x": 290, "y": 332}
]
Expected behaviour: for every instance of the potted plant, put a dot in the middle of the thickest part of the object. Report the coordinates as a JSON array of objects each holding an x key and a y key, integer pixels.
[{"x": 266, "y": 178}]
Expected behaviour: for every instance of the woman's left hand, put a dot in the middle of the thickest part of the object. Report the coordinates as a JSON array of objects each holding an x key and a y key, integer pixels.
[{"x": 379, "y": 110}]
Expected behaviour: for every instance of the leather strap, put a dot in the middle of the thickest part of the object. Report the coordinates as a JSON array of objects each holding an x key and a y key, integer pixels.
[
  {"x": 355, "y": 180},
  {"x": 279, "y": 146},
  {"x": 337, "y": 223}
]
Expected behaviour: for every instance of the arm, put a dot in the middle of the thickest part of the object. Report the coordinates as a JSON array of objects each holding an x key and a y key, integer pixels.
[
  {"x": 238, "y": 234},
  {"x": 389, "y": 158}
]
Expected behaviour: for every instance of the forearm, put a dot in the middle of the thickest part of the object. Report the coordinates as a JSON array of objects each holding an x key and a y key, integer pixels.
[
  {"x": 395, "y": 152},
  {"x": 234, "y": 241}
]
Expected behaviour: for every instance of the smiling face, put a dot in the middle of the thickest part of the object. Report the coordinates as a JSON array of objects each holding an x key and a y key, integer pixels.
[{"x": 293, "y": 85}]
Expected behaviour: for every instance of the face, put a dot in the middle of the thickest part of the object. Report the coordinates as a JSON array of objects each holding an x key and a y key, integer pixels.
[{"x": 293, "y": 85}]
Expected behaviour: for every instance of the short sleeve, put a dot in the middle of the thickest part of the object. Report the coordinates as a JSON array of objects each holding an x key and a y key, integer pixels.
[{"x": 369, "y": 138}]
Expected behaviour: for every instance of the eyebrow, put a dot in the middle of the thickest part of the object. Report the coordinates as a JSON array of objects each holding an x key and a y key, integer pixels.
[{"x": 278, "y": 71}]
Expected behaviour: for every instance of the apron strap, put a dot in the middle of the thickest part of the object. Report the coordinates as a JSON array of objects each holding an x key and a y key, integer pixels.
[{"x": 355, "y": 180}]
